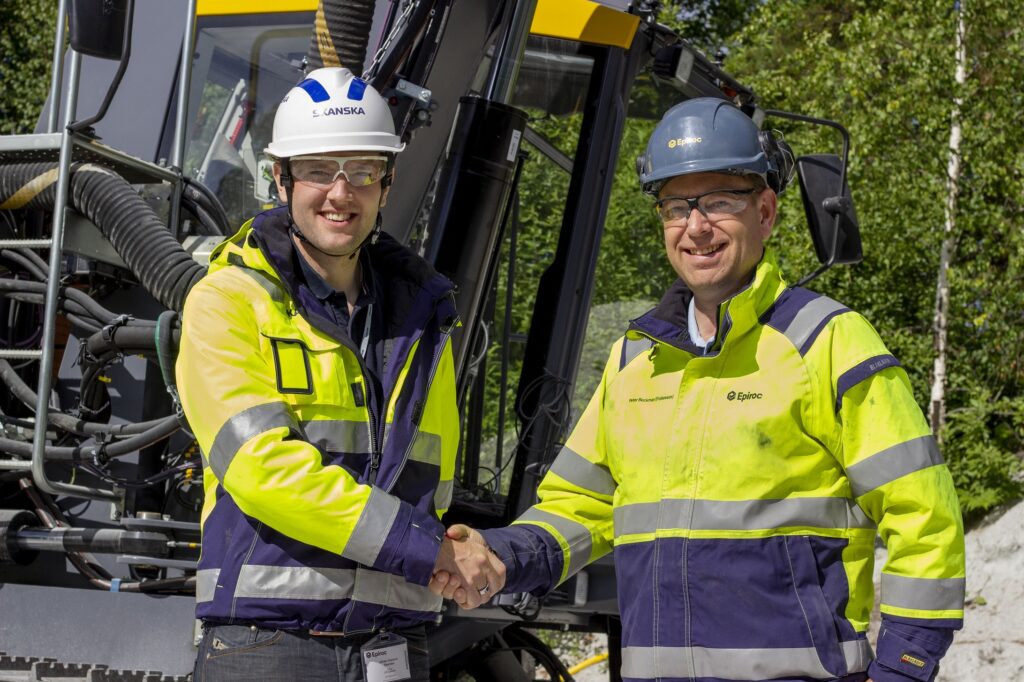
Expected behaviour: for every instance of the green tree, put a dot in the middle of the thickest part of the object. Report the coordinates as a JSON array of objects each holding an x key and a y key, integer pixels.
[
  {"x": 885, "y": 70},
  {"x": 27, "y": 29}
]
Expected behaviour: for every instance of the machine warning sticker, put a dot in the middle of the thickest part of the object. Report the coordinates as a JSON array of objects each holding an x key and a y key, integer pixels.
[{"x": 513, "y": 146}]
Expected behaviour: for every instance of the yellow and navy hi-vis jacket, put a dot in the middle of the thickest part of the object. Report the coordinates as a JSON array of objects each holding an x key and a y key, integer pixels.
[
  {"x": 742, "y": 491},
  {"x": 319, "y": 514}
]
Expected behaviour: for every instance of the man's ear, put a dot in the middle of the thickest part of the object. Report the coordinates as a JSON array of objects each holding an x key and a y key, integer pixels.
[
  {"x": 768, "y": 208},
  {"x": 386, "y": 188},
  {"x": 281, "y": 193}
]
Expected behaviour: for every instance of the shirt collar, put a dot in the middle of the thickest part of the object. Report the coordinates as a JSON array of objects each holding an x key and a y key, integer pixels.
[
  {"x": 324, "y": 291},
  {"x": 691, "y": 321}
]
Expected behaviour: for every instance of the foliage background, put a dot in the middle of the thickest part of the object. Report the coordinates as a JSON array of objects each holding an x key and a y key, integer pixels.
[
  {"x": 26, "y": 51},
  {"x": 884, "y": 68}
]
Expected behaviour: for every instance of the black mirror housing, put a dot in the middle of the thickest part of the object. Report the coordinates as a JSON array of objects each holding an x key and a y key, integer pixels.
[
  {"x": 97, "y": 27},
  {"x": 831, "y": 217}
]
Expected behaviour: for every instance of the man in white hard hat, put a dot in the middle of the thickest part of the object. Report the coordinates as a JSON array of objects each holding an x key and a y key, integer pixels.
[{"x": 316, "y": 372}]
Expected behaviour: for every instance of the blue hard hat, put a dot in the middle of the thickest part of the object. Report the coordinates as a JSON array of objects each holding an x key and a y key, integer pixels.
[{"x": 711, "y": 135}]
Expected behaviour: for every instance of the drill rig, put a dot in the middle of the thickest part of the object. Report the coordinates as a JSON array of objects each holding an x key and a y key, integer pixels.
[{"x": 515, "y": 113}]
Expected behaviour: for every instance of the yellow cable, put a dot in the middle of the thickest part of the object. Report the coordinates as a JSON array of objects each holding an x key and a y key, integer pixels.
[{"x": 583, "y": 665}]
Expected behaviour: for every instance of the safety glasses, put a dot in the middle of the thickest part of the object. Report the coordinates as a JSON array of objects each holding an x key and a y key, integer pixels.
[
  {"x": 714, "y": 205},
  {"x": 323, "y": 171}
]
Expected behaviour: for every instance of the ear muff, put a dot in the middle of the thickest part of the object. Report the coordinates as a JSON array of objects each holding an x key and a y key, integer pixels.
[{"x": 781, "y": 162}]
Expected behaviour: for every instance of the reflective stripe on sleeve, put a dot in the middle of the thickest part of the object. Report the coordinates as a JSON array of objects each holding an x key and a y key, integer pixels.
[
  {"x": 426, "y": 448},
  {"x": 681, "y": 514},
  {"x": 372, "y": 528},
  {"x": 338, "y": 435},
  {"x": 804, "y": 328},
  {"x": 648, "y": 663},
  {"x": 861, "y": 372},
  {"x": 583, "y": 473},
  {"x": 247, "y": 424},
  {"x": 923, "y": 594},
  {"x": 443, "y": 494},
  {"x": 576, "y": 536},
  {"x": 333, "y": 584},
  {"x": 892, "y": 463},
  {"x": 376, "y": 587},
  {"x": 206, "y": 584}
]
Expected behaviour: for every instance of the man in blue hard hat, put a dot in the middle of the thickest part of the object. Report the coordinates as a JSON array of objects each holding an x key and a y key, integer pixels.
[{"x": 747, "y": 443}]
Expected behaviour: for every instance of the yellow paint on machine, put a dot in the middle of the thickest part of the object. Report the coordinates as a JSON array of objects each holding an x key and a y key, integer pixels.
[
  {"x": 579, "y": 20},
  {"x": 220, "y": 7},
  {"x": 584, "y": 21}
]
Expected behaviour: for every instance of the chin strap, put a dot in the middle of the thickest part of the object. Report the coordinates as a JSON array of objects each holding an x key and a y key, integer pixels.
[{"x": 286, "y": 181}]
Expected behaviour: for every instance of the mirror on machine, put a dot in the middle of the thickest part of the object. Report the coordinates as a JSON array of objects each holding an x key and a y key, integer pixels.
[
  {"x": 97, "y": 27},
  {"x": 830, "y": 215}
]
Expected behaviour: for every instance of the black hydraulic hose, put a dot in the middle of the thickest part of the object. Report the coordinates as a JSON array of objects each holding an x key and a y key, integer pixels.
[
  {"x": 347, "y": 30},
  {"x": 135, "y": 231},
  {"x": 163, "y": 429},
  {"x": 37, "y": 270},
  {"x": 208, "y": 201},
  {"x": 41, "y": 272},
  {"x": 129, "y": 339},
  {"x": 39, "y": 298},
  {"x": 83, "y": 323},
  {"x": 20, "y": 390}
]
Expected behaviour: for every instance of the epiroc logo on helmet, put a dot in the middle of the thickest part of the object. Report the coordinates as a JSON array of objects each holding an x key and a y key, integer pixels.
[
  {"x": 680, "y": 141},
  {"x": 339, "y": 111}
]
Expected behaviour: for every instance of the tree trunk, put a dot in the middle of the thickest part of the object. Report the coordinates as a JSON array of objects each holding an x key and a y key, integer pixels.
[{"x": 941, "y": 320}]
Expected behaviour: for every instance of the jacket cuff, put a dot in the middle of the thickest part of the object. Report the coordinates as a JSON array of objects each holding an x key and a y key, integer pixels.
[
  {"x": 532, "y": 558},
  {"x": 908, "y": 652},
  {"x": 412, "y": 546}
]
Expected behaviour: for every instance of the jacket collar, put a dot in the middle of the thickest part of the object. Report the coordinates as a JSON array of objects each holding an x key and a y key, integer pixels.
[
  {"x": 410, "y": 286},
  {"x": 737, "y": 315}
]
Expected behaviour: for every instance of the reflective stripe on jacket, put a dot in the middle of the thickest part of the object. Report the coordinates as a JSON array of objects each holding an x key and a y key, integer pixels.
[
  {"x": 742, "y": 491},
  {"x": 298, "y": 532}
]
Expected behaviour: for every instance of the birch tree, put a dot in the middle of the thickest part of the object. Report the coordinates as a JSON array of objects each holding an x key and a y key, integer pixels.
[{"x": 937, "y": 412}]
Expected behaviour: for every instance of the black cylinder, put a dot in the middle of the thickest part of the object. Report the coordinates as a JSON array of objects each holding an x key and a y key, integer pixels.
[
  {"x": 466, "y": 222},
  {"x": 11, "y": 521}
]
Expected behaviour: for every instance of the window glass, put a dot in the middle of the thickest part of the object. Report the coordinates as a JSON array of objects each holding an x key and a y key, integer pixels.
[
  {"x": 243, "y": 66},
  {"x": 551, "y": 88}
]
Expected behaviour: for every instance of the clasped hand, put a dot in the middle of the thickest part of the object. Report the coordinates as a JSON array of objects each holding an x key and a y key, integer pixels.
[{"x": 466, "y": 570}]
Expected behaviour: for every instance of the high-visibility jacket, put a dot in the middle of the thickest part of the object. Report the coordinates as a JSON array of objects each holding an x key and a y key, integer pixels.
[
  {"x": 319, "y": 513},
  {"x": 742, "y": 491}
]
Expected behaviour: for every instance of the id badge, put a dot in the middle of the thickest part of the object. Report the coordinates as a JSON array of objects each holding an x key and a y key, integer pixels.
[{"x": 385, "y": 658}]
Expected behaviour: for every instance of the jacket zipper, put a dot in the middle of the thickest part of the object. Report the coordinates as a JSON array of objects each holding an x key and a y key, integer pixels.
[
  {"x": 377, "y": 453},
  {"x": 446, "y": 333}
]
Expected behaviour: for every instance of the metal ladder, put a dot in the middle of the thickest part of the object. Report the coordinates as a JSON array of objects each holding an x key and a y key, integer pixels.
[{"x": 69, "y": 146}]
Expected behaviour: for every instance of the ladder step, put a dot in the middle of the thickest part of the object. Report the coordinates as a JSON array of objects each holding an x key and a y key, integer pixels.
[
  {"x": 12, "y": 354},
  {"x": 25, "y": 243}
]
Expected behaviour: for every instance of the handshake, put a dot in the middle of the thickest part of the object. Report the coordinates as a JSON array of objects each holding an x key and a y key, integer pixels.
[{"x": 466, "y": 569}]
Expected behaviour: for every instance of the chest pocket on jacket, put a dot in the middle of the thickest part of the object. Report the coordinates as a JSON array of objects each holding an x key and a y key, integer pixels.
[{"x": 291, "y": 366}]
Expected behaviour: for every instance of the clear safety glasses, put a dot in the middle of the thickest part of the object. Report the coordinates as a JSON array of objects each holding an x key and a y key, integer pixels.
[
  {"x": 323, "y": 171},
  {"x": 717, "y": 204}
]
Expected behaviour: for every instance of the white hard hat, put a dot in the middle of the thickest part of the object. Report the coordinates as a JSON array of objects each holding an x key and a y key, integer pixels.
[{"x": 332, "y": 111}]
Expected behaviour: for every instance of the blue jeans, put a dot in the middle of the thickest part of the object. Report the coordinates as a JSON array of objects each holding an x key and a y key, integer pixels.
[{"x": 245, "y": 653}]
